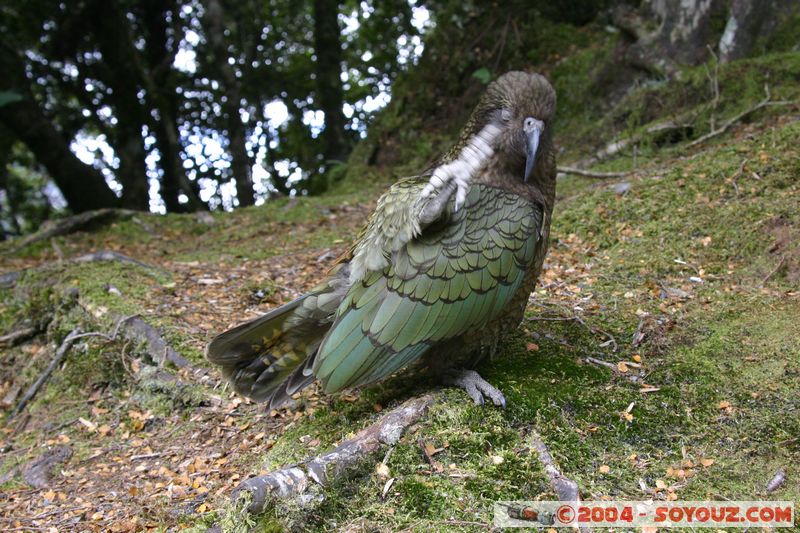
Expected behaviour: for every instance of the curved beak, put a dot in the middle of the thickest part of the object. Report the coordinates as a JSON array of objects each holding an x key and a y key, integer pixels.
[{"x": 533, "y": 130}]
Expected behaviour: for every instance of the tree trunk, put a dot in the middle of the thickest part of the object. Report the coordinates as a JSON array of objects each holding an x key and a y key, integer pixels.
[
  {"x": 669, "y": 34},
  {"x": 330, "y": 97},
  {"x": 750, "y": 20},
  {"x": 683, "y": 31},
  {"x": 161, "y": 89},
  {"x": 118, "y": 51},
  {"x": 83, "y": 186},
  {"x": 241, "y": 163}
]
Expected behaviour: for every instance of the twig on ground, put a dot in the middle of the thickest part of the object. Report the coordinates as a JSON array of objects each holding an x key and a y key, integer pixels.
[
  {"x": 565, "y": 488},
  {"x": 600, "y": 362},
  {"x": 773, "y": 271},
  {"x": 575, "y": 318},
  {"x": 15, "y": 337},
  {"x": 592, "y": 173},
  {"x": 736, "y": 175},
  {"x": 61, "y": 352},
  {"x": 616, "y": 147},
  {"x": 145, "y": 456},
  {"x": 614, "y": 368},
  {"x": 767, "y": 101},
  {"x": 295, "y": 480}
]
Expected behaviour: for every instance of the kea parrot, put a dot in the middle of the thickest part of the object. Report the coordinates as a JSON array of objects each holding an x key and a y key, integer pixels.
[{"x": 443, "y": 269}]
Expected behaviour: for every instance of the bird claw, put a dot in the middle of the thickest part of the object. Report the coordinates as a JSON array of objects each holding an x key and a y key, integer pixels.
[
  {"x": 444, "y": 185},
  {"x": 476, "y": 387}
]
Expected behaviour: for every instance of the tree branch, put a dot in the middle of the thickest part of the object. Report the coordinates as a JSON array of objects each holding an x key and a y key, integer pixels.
[
  {"x": 65, "y": 226},
  {"x": 61, "y": 352},
  {"x": 564, "y": 487},
  {"x": 295, "y": 480},
  {"x": 767, "y": 101},
  {"x": 592, "y": 173}
]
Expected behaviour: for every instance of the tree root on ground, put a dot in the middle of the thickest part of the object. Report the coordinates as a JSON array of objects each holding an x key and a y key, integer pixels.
[
  {"x": 10, "y": 340},
  {"x": 66, "y": 344},
  {"x": 65, "y": 226},
  {"x": 565, "y": 488},
  {"x": 592, "y": 173},
  {"x": 135, "y": 329},
  {"x": 294, "y": 481},
  {"x": 9, "y": 279}
]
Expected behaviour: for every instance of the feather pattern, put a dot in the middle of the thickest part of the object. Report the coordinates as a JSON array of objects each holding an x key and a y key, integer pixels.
[
  {"x": 419, "y": 301},
  {"x": 444, "y": 266}
]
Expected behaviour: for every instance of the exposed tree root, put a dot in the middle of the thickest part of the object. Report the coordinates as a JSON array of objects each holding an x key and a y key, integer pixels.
[
  {"x": 64, "y": 226},
  {"x": 294, "y": 481},
  {"x": 17, "y": 336},
  {"x": 135, "y": 329},
  {"x": 61, "y": 352},
  {"x": 10, "y": 279},
  {"x": 767, "y": 101},
  {"x": 565, "y": 488},
  {"x": 39, "y": 472},
  {"x": 592, "y": 174}
]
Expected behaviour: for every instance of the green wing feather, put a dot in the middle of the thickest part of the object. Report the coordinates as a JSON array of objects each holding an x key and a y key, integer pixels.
[{"x": 456, "y": 275}]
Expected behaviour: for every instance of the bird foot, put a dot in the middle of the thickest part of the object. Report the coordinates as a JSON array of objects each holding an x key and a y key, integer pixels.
[
  {"x": 445, "y": 183},
  {"x": 477, "y": 388}
]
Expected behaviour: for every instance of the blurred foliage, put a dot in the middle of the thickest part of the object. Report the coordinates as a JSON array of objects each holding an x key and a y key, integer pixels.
[
  {"x": 146, "y": 78},
  {"x": 219, "y": 103}
]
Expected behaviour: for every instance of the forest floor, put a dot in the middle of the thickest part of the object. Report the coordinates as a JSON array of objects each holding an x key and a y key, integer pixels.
[{"x": 682, "y": 276}]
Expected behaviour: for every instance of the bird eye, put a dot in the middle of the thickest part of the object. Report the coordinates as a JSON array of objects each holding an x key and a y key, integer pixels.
[
  {"x": 529, "y": 122},
  {"x": 505, "y": 114}
]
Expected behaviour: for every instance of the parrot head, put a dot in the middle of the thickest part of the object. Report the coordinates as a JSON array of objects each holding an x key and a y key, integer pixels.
[{"x": 520, "y": 108}]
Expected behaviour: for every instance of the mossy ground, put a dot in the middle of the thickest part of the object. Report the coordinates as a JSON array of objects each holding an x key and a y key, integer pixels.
[{"x": 695, "y": 258}]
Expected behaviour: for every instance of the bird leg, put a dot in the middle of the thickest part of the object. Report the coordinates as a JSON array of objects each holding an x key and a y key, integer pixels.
[
  {"x": 455, "y": 175},
  {"x": 477, "y": 388},
  {"x": 432, "y": 207}
]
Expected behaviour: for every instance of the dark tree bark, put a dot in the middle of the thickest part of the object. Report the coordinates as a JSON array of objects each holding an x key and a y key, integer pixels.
[
  {"x": 750, "y": 20},
  {"x": 83, "y": 186},
  {"x": 670, "y": 34},
  {"x": 117, "y": 50},
  {"x": 330, "y": 98},
  {"x": 241, "y": 163}
]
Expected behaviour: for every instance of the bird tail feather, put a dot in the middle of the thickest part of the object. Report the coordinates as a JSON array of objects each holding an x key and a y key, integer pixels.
[{"x": 264, "y": 359}]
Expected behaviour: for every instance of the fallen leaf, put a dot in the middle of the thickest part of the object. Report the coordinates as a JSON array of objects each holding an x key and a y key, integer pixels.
[
  {"x": 604, "y": 469},
  {"x": 622, "y": 367}
]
